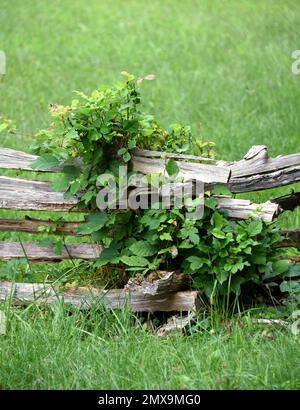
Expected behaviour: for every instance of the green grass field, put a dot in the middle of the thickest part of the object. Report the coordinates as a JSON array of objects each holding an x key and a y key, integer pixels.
[
  {"x": 111, "y": 351},
  {"x": 222, "y": 67}
]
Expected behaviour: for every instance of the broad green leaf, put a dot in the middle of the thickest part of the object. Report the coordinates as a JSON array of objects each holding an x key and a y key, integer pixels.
[
  {"x": 46, "y": 241},
  {"x": 165, "y": 236},
  {"x": 86, "y": 229},
  {"x": 60, "y": 183},
  {"x": 108, "y": 255},
  {"x": 222, "y": 276},
  {"x": 99, "y": 219},
  {"x": 131, "y": 144},
  {"x": 294, "y": 270},
  {"x": 235, "y": 284},
  {"x": 58, "y": 247},
  {"x": 45, "y": 162},
  {"x": 217, "y": 233},
  {"x": 186, "y": 244},
  {"x": 95, "y": 222},
  {"x": 290, "y": 286},
  {"x": 280, "y": 267},
  {"x": 71, "y": 134},
  {"x": 255, "y": 228},
  {"x": 143, "y": 248},
  {"x": 258, "y": 258},
  {"x": 269, "y": 273},
  {"x": 195, "y": 262},
  {"x": 134, "y": 261},
  {"x": 211, "y": 203},
  {"x": 172, "y": 167},
  {"x": 194, "y": 238},
  {"x": 217, "y": 220},
  {"x": 126, "y": 157},
  {"x": 75, "y": 187},
  {"x": 122, "y": 151},
  {"x": 71, "y": 171}
]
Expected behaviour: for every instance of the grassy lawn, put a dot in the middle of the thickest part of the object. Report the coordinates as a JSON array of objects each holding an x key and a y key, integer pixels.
[
  {"x": 111, "y": 351},
  {"x": 225, "y": 69}
]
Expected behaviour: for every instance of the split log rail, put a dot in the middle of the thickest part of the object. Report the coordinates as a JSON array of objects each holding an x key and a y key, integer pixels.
[{"x": 167, "y": 292}]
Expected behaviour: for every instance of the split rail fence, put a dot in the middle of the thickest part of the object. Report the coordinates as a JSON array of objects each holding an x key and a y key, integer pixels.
[{"x": 170, "y": 291}]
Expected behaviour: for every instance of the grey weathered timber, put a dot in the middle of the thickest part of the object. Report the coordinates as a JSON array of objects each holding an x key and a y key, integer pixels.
[
  {"x": 255, "y": 172},
  {"x": 161, "y": 154},
  {"x": 263, "y": 181},
  {"x": 257, "y": 161},
  {"x": 243, "y": 208},
  {"x": 236, "y": 208},
  {"x": 40, "y": 254},
  {"x": 30, "y": 225},
  {"x": 136, "y": 300},
  {"x": 208, "y": 174},
  {"x": 163, "y": 281},
  {"x": 12, "y": 159},
  {"x": 20, "y": 194},
  {"x": 258, "y": 172},
  {"x": 25, "y": 195},
  {"x": 36, "y": 253}
]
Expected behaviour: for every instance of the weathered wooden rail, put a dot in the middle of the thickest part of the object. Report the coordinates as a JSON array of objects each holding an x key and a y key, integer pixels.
[
  {"x": 256, "y": 171},
  {"x": 163, "y": 294}
]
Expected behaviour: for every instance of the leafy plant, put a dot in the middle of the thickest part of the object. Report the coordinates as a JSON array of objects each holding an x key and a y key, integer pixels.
[
  {"x": 220, "y": 254},
  {"x": 96, "y": 134},
  {"x": 101, "y": 130},
  {"x": 7, "y": 125}
]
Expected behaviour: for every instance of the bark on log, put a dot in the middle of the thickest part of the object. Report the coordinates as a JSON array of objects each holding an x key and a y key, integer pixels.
[
  {"x": 263, "y": 181},
  {"x": 243, "y": 208},
  {"x": 159, "y": 282},
  {"x": 161, "y": 154},
  {"x": 36, "y": 253},
  {"x": 258, "y": 172},
  {"x": 208, "y": 174},
  {"x": 25, "y": 195},
  {"x": 12, "y": 159},
  {"x": 137, "y": 301},
  {"x": 30, "y": 225},
  {"x": 255, "y": 172},
  {"x": 20, "y": 194}
]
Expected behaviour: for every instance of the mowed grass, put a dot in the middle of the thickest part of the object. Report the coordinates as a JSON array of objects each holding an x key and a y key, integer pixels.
[{"x": 225, "y": 69}]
